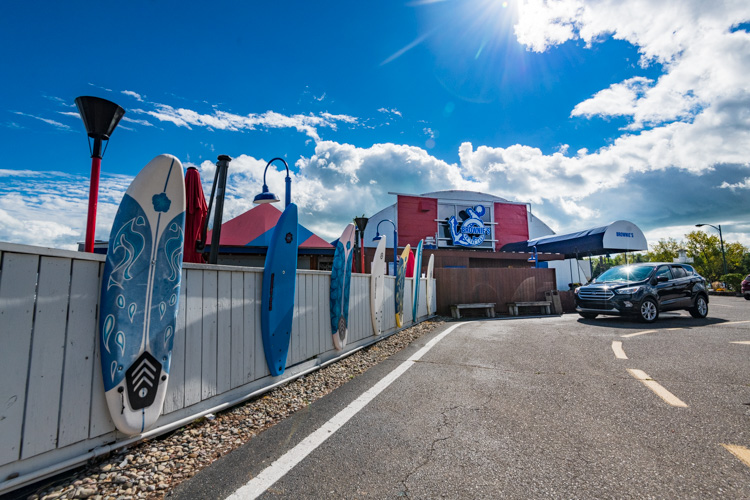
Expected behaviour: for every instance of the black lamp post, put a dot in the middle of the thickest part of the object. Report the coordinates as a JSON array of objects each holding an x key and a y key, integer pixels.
[
  {"x": 267, "y": 197},
  {"x": 100, "y": 118},
  {"x": 361, "y": 223},
  {"x": 219, "y": 190},
  {"x": 721, "y": 240}
]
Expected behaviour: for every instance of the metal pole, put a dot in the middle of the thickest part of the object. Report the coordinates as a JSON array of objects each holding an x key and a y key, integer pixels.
[
  {"x": 221, "y": 182},
  {"x": 362, "y": 249},
  {"x": 288, "y": 194},
  {"x": 96, "y": 167},
  {"x": 723, "y": 255}
]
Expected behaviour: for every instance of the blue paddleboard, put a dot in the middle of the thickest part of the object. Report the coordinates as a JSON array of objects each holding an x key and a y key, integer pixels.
[
  {"x": 139, "y": 294},
  {"x": 279, "y": 283},
  {"x": 417, "y": 279},
  {"x": 341, "y": 278},
  {"x": 400, "y": 279}
]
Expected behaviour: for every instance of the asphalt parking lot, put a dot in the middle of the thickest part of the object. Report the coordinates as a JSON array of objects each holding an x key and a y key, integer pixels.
[{"x": 522, "y": 408}]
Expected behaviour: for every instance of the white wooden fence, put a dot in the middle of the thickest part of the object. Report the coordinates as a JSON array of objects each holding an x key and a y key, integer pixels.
[{"x": 53, "y": 414}]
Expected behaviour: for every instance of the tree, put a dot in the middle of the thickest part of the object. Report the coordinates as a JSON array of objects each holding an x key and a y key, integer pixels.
[
  {"x": 735, "y": 254},
  {"x": 664, "y": 250},
  {"x": 705, "y": 250}
]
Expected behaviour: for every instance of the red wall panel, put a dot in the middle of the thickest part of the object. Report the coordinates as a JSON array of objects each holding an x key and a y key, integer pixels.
[
  {"x": 416, "y": 219},
  {"x": 512, "y": 224}
]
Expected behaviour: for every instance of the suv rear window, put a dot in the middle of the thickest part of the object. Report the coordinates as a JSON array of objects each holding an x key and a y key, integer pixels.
[{"x": 678, "y": 272}]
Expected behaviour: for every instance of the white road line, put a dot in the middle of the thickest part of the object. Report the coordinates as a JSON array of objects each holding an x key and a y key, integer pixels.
[
  {"x": 617, "y": 349},
  {"x": 733, "y": 323},
  {"x": 637, "y": 333},
  {"x": 739, "y": 451},
  {"x": 260, "y": 483},
  {"x": 745, "y": 342},
  {"x": 658, "y": 389}
]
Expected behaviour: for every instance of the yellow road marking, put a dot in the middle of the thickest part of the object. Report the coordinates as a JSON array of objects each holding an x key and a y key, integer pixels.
[
  {"x": 740, "y": 452},
  {"x": 657, "y": 388},
  {"x": 746, "y": 342},
  {"x": 617, "y": 348},
  {"x": 733, "y": 323},
  {"x": 637, "y": 333}
]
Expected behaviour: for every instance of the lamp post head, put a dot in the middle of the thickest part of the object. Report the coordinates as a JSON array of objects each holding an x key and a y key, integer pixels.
[
  {"x": 361, "y": 223},
  {"x": 377, "y": 237},
  {"x": 100, "y": 116},
  {"x": 265, "y": 196},
  {"x": 699, "y": 225}
]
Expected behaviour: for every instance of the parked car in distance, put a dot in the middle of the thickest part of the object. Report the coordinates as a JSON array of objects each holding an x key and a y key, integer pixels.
[
  {"x": 644, "y": 290},
  {"x": 745, "y": 287}
]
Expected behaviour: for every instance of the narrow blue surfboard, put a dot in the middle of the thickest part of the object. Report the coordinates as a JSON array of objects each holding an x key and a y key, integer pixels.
[
  {"x": 279, "y": 284},
  {"x": 341, "y": 278},
  {"x": 417, "y": 279},
  {"x": 139, "y": 294}
]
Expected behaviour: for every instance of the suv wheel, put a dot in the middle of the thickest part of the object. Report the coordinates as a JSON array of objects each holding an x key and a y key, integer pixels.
[
  {"x": 649, "y": 311},
  {"x": 700, "y": 309},
  {"x": 747, "y": 296},
  {"x": 588, "y": 315}
]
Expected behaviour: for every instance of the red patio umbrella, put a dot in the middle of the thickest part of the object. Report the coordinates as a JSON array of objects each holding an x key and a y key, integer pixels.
[{"x": 195, "y": 213}]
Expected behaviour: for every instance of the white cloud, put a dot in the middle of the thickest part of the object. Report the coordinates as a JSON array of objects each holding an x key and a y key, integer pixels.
[
  {"x": 222, "y": 120},
  {"x": 744, "y": 184},
  {"x": 49, "y": 209},
  {"x": 618, "y": 100},
  {"x": 391, "y": 111},
  {"x": 134, "y": 95},
  {"x": 145, "y": 123},
  {"x": 56, "y": 124}
]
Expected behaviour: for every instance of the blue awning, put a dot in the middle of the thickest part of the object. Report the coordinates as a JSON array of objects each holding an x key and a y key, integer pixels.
[{"x": 617, "y": 237}]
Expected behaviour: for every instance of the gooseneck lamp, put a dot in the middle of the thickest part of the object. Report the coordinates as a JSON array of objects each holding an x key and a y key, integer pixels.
[
  {"x": 266, "y": 196},
  {"x": 100, "y": 117},
  {"x": 395, "y": 242}
]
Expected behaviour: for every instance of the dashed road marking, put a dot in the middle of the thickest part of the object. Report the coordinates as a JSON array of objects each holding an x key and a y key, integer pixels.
[
  {"x": 637, "y": 333},
  {"x": 657, "y": 388},
  {"x": 745, "y": 342},
  {"x": 617, "y": 349},
  {"x": 266, "y": 478},
  {"x": 740, "y": 452},
  {"x": 733, "y": 323}
]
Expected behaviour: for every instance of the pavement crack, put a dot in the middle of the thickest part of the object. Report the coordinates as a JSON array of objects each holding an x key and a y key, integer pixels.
[{"x": 444, "y": 424}]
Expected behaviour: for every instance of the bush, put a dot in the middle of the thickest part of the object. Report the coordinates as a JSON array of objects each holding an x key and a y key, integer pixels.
[{"x": 733, "y": 281}]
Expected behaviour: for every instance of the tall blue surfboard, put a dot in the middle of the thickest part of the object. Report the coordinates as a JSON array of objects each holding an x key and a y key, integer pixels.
[
  {"x": 279, "y": 284},
  {"x": 341, "y": 278},
  {"x": 139, "y": 294},
  {"x": 417, "y": 279}
]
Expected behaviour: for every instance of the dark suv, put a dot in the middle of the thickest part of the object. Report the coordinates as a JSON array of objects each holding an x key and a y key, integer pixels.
[{"x": 644, "y": 290}]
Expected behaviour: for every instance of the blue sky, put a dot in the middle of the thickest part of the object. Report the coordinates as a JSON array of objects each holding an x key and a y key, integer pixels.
[{"x": 591, "y": 111}]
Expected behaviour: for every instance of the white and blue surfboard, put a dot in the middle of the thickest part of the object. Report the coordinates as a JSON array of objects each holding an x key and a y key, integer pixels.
[{"x": 140, "y": 292}]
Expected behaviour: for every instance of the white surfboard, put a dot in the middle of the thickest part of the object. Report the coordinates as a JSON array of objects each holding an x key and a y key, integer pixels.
[
  {"x": 430, "y": 288},
  {"x": 139, "y": 294},
  {"x": 377, "y": 287}
]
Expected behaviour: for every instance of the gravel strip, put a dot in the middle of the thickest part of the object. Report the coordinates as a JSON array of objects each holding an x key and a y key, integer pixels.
[{"x": 151, "y": 468}]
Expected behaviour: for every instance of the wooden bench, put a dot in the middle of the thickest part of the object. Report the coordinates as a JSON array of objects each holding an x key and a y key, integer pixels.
[
  {"x": 544, "y": 304},
  {"x": 489, "y": 309}
]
